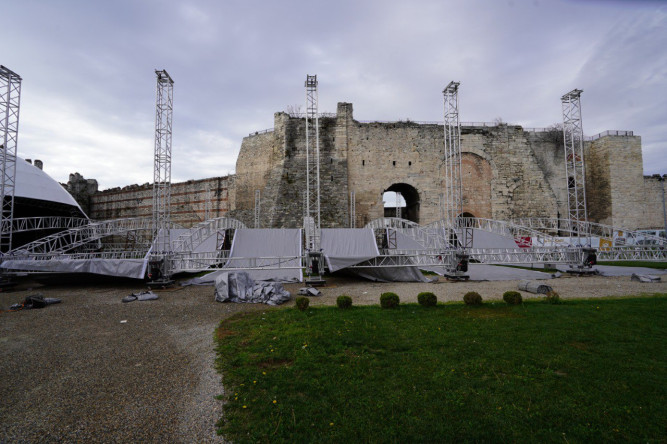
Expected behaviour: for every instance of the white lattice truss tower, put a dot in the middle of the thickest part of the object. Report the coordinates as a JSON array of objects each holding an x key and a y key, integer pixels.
[
  {"x": 353, "y": 210},
  {"x": 258, "y": 203},
  {"x": 452, "y": 201},
  {"x": 10, "y": 101},
  {"x": 573, "y": 136},
  {"x": 162, "y": 163},
  {"x": 208, "y": 204},
  {"x": 399, "y": 197},
  {"x": 312, "y": 160}
]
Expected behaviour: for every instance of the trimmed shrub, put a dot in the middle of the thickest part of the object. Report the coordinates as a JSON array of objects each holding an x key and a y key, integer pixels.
[
  {"x": 552, "y": 298},
  {"x": 472, "y": 298},
  {"x": 389, "y": 300},
  {"x": 344, "y": 301},
  {"x": 302, "y": 303},
  {"x": 512, "y": 297},
  {"x": 427, "y": 299}
]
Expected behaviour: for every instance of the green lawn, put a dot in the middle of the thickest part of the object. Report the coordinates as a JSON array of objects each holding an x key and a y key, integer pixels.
[
  {"x": 645, "y": 264},
  {"x": 589, "y": 370}
]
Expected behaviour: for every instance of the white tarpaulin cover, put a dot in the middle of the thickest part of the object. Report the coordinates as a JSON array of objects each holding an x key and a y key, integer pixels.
[
  {"x": 278, "y": 250},
  {"x": 344, "y": 247},
  {"x": 34, "y": 183},
  {"x": 237, "y": 286},
  {"x": 130, "y": 268},
  {"x": 392, "y": 274}
]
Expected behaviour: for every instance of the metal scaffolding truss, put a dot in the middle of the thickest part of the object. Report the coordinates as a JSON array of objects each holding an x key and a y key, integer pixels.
[
  {"x": 72, "y": 238},
  {"x": 202, "y": 261},
  {"x": 633, "y": 253},
  {"x": 311, "y": 233},
  {"x": 452, "y": 202},
  {"x": 312, "y": 158},
  {"x": 573, "y": 228},
  {"x": 573, "y": 136},
  {"x": 189, "y": 241},
  {"x": 162, "y": 165},
  {"x": 510, "y": 229},
  {"x": 194, "y": 262},
  {"x": 43, "y": 223},
  {"x": 353, "y": 210},
  {"x": 399, "y": 197},
  {"x": 10, "y": 101},
  {"x": 257, "y": 207},
  {"x": 427, "y": 238},
  {"x": 208, "y": 204}
]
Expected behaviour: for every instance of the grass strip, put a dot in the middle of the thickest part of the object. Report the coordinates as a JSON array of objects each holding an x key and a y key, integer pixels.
[
  {"x": 643, "y": 264},
  {"x": 587, "y": 370}
]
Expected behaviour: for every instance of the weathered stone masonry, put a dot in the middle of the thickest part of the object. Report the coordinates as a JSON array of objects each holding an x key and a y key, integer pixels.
[{"x": 507, "y": 172}]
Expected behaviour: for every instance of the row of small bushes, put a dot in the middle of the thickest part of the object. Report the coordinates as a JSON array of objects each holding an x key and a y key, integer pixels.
[{"x": 428, "y": 299}]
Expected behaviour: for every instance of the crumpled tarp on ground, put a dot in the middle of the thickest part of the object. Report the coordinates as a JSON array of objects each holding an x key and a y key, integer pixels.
[
  {"x": 34, "y": 301},
  {"x": 240, "y": 287},
  {"x": 141, "y": 296},
  {"x": 392, "y": 274},
  {"x": 646, "y": 278}
]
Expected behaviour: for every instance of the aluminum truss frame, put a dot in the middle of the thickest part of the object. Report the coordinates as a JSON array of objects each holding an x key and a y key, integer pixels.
[
  {"x": 554, "y": 226},
  {"x": 208, "y": 204},
  {"x": 79, "y": 236},
  {"x": 353, "y": 210},
  {"x": 506, "y": 229},
  {"x": 21, "y": 224},
  {"x": 312, "y": 161},
  {"x": 164, "y": 109},
  {"x": 10, "y": 104},
  {"x": 258, "y": 203},
  {"x": 575, "y": 179},
  {"x": 188, "y": 242},
  {"x": 425, "y": 237},
  {"x": 452, "y": 202},
  {"x": 399, "y": 196}
]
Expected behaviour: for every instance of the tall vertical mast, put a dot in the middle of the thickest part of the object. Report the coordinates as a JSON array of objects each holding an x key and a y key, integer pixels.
[
  {"x": 573, "y": 137},
  {"x": 312, "y": 160},
  {"x": 257, "y": 207},
  {"x": 10, "y": 101},
  {"x": 162, "y": 165},
  {"x": 452, "y": 201}
]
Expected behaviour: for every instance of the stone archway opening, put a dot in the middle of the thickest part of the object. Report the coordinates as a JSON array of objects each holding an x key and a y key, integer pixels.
[
  {"x": 464, "y": 219},
  {"x": 409, "y": 209}
]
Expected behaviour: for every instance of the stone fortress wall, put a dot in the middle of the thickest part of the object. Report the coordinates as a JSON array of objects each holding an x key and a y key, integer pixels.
[{"x": 507, "y": 173}]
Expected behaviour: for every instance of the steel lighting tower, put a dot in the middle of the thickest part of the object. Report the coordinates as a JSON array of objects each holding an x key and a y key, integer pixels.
[
  {"x": 208, "y": 204},
  {"x": 162, "y": 169},
  {"x": 452, "y": 201},
  {"x": 573, "y": 137},
  {"x": 257, "y": 207},
  {"x": 312, "y": 160},
  {"x": 398, "y": 204},
  {"x": 353, "y": 210},
  {"x": 10, "y": 100}
]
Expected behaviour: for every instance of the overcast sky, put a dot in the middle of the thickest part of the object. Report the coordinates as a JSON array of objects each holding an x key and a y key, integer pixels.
[{"x": 88, "y": 92}]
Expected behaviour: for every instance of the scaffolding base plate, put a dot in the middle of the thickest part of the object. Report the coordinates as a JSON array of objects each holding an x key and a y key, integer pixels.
[
  {"x": 163, "y": 283},
  {"x": 456, "y": 276},
  {"x": 582, "y": 271},
  {"x": 316, "y": 282}
]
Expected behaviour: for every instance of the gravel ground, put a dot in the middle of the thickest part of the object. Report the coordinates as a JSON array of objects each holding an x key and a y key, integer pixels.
[{"x": 74, "y": 372}]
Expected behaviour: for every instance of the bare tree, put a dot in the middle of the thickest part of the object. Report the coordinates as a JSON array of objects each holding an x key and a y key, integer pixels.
[{"x": 293, "y": 110}]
